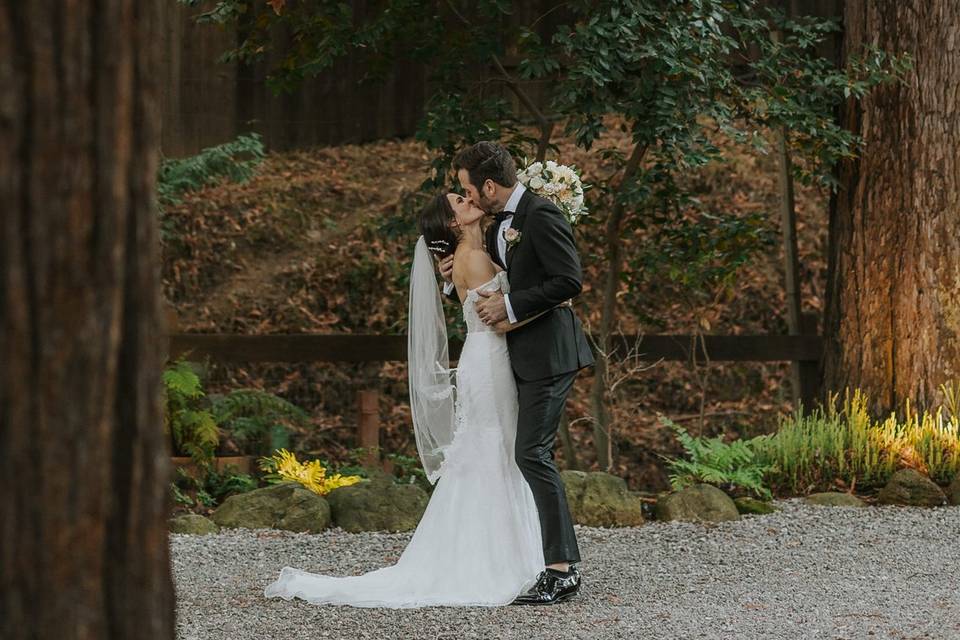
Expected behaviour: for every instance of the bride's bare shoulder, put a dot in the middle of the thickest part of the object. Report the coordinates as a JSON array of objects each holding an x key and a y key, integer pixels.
[{"x": 473, "y": 266}]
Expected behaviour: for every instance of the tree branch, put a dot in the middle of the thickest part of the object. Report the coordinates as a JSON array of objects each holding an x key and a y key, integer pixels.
[{"x": 546, "y": 127}]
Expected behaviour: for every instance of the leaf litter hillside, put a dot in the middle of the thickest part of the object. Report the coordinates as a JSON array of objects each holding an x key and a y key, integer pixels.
[{"x": 320, "y": 241}]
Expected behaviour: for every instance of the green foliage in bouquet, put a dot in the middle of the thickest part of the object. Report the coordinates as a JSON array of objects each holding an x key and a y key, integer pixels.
[{"x": 711, "y": 460}]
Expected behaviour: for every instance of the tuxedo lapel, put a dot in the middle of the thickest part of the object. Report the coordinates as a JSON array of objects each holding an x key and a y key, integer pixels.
[
  {"x": 492, "y": 246},
  {"x": 517, "y": 223}
]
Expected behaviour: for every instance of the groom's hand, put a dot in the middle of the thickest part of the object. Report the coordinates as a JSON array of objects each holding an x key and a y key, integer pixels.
[
  {"x": 491, "y": 309},
  {"x": 446, "y": 268}
]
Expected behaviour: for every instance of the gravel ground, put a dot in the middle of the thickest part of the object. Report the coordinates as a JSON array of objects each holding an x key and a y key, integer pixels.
[{"x": 806, "y": 572}]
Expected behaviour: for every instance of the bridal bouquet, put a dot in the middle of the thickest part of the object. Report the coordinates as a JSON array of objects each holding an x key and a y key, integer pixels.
[{"x": 558, "y": 183}]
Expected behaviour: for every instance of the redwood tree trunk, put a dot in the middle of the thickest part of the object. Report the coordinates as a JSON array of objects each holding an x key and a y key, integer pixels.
[
  {"x": 893, "y": 299},
  {"x": 84, "y": 469}
]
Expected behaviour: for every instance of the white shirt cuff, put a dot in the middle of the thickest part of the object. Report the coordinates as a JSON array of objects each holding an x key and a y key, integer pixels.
[
  {"x": 448, "y": 287},
  {"x": 510, "y": 316}
]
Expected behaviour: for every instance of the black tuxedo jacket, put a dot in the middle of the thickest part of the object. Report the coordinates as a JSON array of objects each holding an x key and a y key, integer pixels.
[{"x": 544, "y": 270}]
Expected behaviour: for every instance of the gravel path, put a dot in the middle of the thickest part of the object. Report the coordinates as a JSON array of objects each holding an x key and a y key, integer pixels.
[{"x": 806, "y": 572}]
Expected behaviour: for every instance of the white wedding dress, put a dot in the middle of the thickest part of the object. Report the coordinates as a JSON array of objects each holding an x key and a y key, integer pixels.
[{"x": 478, "y": 543}]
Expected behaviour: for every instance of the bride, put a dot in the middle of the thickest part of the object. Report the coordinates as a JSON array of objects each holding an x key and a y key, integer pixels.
[{"x": 478, "y": 543}]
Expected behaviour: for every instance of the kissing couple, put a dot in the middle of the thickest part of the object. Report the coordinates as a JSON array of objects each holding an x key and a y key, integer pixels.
[{"x": 497, "y": 529}]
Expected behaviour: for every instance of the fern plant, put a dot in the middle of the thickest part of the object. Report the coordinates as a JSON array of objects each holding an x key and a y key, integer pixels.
[
  {"x": 236, "y": 160},
  {"x": 713, "y": 461},
  {"x": 211, "y": 488},
  {"x": 192, "y": 427},
  {"x": 257, "y": 420}
]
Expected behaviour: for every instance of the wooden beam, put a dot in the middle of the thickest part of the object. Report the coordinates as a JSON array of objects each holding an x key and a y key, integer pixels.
[{"x": 385, "y": 348}]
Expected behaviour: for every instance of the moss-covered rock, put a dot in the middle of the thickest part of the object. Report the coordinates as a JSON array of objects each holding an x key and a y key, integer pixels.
[
  {"x": 953, "y": 491},
  {"x": 697, "y": 503},
  {"x": 599, "y": 499},
  {"x": 910, "y": 487},
  {"x": 282, "y": 506},
  {"x": 193, "y": 523},
  {"x": 834, "y": 499},
  {"x": 752, "y": 506},
  {"x": 377, "y": 505}
]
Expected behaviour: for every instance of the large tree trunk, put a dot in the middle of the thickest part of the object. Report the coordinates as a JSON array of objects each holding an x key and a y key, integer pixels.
[
  {"x": 893, "y": 300},
  {"x": 84, "y": 469}
]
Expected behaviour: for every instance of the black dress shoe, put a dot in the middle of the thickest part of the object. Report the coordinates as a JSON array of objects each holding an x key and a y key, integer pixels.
[{"x": 552, "y": 587}]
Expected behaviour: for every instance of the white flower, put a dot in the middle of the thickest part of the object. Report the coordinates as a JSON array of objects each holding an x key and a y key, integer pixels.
[{"x": 558, "y": 183}]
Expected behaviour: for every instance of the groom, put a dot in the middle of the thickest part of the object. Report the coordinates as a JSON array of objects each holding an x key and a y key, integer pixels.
[{"x": 532, "y": 240}]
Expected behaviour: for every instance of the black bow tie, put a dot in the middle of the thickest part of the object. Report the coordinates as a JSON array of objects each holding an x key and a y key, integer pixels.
[{"x": 503, "y": 215}]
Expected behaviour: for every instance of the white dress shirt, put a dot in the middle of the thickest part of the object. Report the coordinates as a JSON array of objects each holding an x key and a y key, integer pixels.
[{"x": 509, "y": 209}]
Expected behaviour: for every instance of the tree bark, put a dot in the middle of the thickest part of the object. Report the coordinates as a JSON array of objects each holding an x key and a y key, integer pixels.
[
  {"x": 892, "y": 320},
  {"x": 599, "y": 400},
  {"x": 84, "y": 468}
]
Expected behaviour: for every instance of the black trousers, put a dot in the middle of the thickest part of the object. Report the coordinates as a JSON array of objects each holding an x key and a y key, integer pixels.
[{"x": 541, "y": 405}]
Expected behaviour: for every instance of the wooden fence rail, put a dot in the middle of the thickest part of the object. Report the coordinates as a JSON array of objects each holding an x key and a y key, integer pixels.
[
  {"x": 384, "y": 348},
  {"x": 279, "y": 348}
]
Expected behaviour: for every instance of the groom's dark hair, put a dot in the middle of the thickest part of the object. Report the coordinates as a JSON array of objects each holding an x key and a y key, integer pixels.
[{"x": 487, "y": 160}]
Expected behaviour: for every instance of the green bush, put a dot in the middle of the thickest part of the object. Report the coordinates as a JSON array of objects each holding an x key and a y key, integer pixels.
[
  {"x": 256, "y": 420},
  {"x": 236, "y": 160},
  {"x": 846, "y": 444},
  {"x": 729, "y": 465},
  {"x": 192, "y": 426},
  {"x": 212, "y": 488}
]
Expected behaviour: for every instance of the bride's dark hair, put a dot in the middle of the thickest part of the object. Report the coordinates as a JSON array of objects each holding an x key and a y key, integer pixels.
[{"x": 434, "y": 225}]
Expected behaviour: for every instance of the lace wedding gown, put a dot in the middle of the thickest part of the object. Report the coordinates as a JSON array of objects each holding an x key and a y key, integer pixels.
[{"x": 478, "y": 542}]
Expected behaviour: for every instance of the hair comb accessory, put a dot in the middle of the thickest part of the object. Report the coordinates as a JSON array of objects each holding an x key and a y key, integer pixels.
[{"x": 438, "y": 246}]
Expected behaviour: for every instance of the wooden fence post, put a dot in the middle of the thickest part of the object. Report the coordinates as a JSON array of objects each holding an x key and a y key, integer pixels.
[
  {"x": 808, "y": 371},
  {"x": 368, "y": 426}
]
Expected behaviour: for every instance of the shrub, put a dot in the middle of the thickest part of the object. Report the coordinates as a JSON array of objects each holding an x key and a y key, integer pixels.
[
  {"x": 192, "y": 426},
  {"x": 845, "y": 444},
  {"x": 711, "y": 460}
]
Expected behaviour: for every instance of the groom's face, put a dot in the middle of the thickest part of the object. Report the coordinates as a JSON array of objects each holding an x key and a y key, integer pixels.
[{"x": 477, "y": 195}]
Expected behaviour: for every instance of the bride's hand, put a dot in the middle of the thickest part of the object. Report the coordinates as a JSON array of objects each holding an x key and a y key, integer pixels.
[
  {"x": 446, "y": 268},
  {"x": 502, "y": 327}
]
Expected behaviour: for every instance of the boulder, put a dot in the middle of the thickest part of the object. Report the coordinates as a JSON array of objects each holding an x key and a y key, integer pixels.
[
  {"x": 752, "y": 506},
  {"x": 697, "y": 503},
  {"x": 287, "y": 505},
  {"x": 193, "y": 524},
  {"x": 910, "y": 487},
  {"x": 599, "y": 499},
  {"x": 835, "y": 499},
  {"x": 377, "y": 505},
  {"x": 953, "y": 491}
]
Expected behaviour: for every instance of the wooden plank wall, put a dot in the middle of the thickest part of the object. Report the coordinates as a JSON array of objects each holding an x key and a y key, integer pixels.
[{"x": 206, "y": 102}]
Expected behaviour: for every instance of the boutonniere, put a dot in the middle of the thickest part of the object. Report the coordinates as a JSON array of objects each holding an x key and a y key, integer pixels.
[{"x": 512, "y": 236}]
